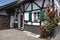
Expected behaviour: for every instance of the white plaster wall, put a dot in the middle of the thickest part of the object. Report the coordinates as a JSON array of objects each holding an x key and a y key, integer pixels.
[
  {"x": 39, "y": 2},
  {"x": 32, "y": 16},
  {"x": 18, "y": 21},
  {"x": 26, "y": 16},
  {"x": 29, "y": 8},
  {"x": 11, "y": 21}
]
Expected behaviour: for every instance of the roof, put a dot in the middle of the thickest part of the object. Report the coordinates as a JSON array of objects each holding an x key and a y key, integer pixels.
[
  {"x": 4, "y": 4},
  {"x": 7, "y": 3}
]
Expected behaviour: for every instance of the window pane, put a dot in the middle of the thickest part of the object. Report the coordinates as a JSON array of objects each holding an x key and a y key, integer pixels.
[
  {"x": 34, "y": 15},
  {"x": 38, "y": 15}
]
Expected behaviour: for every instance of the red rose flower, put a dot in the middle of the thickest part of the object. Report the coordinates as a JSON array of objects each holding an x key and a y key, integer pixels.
[
  {"x": 49, "y": 14},
  {"x": 53, "y": 13},
  {"x": 40, "y": 29},
  {"x": 56, "y": 24},
  {"x": 44, "y": 27},
  {"x": 58, "y": 19}
]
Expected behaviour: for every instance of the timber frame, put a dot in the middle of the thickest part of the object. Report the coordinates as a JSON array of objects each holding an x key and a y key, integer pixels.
[
  {"x": 17, "y": 8},
  {"x": 23, "y": 9}
]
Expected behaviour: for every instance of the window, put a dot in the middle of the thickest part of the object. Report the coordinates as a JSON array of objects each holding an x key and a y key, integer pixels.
[{"x": 36, "y": 16}]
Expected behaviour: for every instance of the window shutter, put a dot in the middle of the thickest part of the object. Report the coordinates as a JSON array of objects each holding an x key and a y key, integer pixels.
[
  {"x": 41, "y": 15},
  {"x": 30, "y": 16}
]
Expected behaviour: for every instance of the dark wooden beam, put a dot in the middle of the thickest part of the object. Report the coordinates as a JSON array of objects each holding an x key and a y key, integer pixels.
[
  {"x": 23, "y": 7},
  {"x": 27, "y": 7},
  {"x": 43, "y": 3},
  {"x": 32, "y": 6},
  {"x": 33, "y": 10},
  {"x": 37, "y": 4},
  {"x": 20, "y": 9}
]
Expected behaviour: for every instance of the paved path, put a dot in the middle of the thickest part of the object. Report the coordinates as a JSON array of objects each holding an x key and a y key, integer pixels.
[
  {"x": 14, "y": 34},
  {"x": 57, "y": 37},
  {"x": 57, "y": 34},
  {"x": 33, "y": 29}
]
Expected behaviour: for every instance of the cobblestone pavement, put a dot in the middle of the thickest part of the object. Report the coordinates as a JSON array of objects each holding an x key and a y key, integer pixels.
[{"x": 14, "y": 34}]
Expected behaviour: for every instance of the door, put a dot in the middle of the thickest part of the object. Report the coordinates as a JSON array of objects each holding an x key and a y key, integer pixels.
[
  {"x": 21, "y": 20},
  {"x": 4, "y": 22}
]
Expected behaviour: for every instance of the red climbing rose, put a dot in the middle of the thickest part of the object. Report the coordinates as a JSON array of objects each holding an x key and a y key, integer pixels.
[
  {"x": 43, "y": 27},
  {"x": 52, "y": 14},
  {"x": 58, "y": 18}
]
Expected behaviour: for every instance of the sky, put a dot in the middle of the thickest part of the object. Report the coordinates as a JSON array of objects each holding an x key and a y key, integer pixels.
[{"x": 4, "y": 2}]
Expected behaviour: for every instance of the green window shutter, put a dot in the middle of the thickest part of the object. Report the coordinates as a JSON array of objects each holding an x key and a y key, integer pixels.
[
  {"x": 41, "y": 15},
  {"x": 30, "y": 16}
]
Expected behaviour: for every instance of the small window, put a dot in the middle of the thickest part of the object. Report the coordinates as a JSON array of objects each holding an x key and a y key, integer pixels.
[{"x": 36, "y": 16}]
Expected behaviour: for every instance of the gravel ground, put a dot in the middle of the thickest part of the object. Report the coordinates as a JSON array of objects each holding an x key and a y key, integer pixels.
[{"x": 14, "y": 34}]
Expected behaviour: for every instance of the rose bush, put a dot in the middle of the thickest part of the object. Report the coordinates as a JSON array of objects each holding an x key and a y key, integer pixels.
[{"x": 48, "y": 30}]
